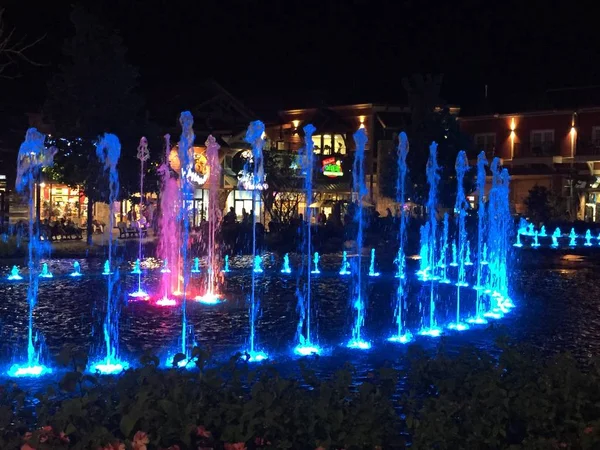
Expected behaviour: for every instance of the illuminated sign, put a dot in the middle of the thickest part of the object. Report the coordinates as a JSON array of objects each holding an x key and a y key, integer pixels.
[
  {"x": 246, "y": 182},
  {"x": 332, "y": 168}
]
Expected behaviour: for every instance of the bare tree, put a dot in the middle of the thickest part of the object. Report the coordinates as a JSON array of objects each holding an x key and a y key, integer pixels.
[{"x": 13, "y": 49}]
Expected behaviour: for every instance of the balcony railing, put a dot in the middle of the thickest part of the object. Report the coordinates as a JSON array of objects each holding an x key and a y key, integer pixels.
[{"x": 587, "y": 147}]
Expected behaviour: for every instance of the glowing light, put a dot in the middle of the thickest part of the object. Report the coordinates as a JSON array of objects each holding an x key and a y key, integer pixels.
[
  {"x": 401, "y": 339},
  {"x": 196, "y": 266},
  {"x": 136, "y": 268},
  {"x": 458, "y": 326},
  {"x": 45, "y": 272},
  {"x": 477, "y": 320},
  {"x": 139, "y": 294},
  {"x": 166, "y": 302},
  {"x": 14, "y": 274},
  {"x": 296, "y": 123},
  {"x": 22, "y": 371},
  {"x": 109, "y": 366},
  {"x": 462, "y": 284},
  {"x": 307, "y": 350},
  {"x": 431, "y": 332},
  {"x": 359, "y": 344},
  {"x": 513, "y": 125},
  {"x": 493, "y": 315},
  {"x": 208, "y": 299},
  {"x": 257, "y": 356}
]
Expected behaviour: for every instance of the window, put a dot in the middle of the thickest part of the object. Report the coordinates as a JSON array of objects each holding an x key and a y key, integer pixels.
[
  {"x": 542, "y": 141},
  {"x": 485, "y": 142},
  {"x": 280, "y": 145},
  {"x": 328, "y": 144},
  {"x": 596, "y": 135}
]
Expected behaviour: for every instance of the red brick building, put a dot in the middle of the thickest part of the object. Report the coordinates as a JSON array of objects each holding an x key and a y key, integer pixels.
[{"x": 558, "y": 149}]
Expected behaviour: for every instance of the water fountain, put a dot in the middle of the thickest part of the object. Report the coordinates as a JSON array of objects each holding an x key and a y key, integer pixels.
[
  {"x": 588, "y": 238},
  {"x": 305, "y": 337},
  {"x": 433, "y": 179},
  {"x": 460, "y": 209},
  {"x": 196, "y": 265},
  {"x": 108, "y": 151},
  {"x": 518, "y": 243},
  {"x": 482, "y": 257},
  {"x": 401, "y": 335},
  {"x": 286, "y": 264},
  {"x": 255, "y": 137},
  {"x": 443, "y": 262},
  {"x": 226, "y": 265},
  {"x": 424, "y": 266},
  {"x": 372, "y": 271},
  {"x": 45, "y": 273},
  {"x": 536, "y": 242},
  {"x": 106, "y": 270},
  {"x": 530, "y": 229},
  {"x": 345, "y": 266},
  {"x": 316, "y": 270},
  {"x": 168, "y": 243},
  {"x": 468, "y": 261},
  {"x": 137, "y": 267},
  {"x": 32, "y": 158},
  {"x": 14, "y": 274},
  {"x": 572, "y": 238},
  {"x": 555, "y": 237},
  {"x": 454, "y": 262},
  {"x": 76, "y": 270},
  {"x": 357, "y": 292},
  {"x": 211, "y": 296},
  {"x": 142, "y": 154},
  {"x": 543, "y": 231}
]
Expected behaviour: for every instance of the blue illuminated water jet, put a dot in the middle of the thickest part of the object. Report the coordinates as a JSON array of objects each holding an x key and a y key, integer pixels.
[
  {"x": 315, "y": 270},
  {"x": 136, "y": 268},
  {"x": 454, "y": 262},
  {"x": 536, "y": 242},
  {"x": 482, "y": 250},
  {"x": 76, "y": 270},
  {"x": 196, "y": 265},
  {"x": 401, "y": 335},
  {"x": 530, "y": 229},
  {"x": 226, "y": 265},
  {"x": 286, "y": 264},
  {"x": 257, "y": 264},
  {"x": 345, "y": 267},
  {"x": 14, "y": 274},
  {"x": 572, "y": 238},
  {"x": 518, "y": 243},
  {"x": 543, "y": 231},
  {"x": 468, "y": 261},
  {"x": 555, "y": 237},
  {"x": 443, "y": 262},
  {"x": 106, "y": 269},
  {"x": 372, "y": 272},
  {"x": 588, "y": 238},
  {"x": 33, "y": 156},
  {"x": 45, "y": 273}
]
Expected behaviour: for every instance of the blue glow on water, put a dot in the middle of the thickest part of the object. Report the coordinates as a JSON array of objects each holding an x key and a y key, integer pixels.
[
  {"x": 359, "y": 344},
  {"x": 14, "y": 274},
  {"x": 572, "y": 238},
  {"x": 307, "y": 350},
  {"x": 401, "y": 338},
  {"x": 431, "y": 332},
  {"x": 460, "y": 208},
  {"x": 468, "y": 261},
  {"x": 458, "y": 326},
  {"x": 424, "y": 265},
  {"x": 345, "y": 268},
  {"x": 372, "y": 272},
  {"x": 209, "y": 299},
  {"x": 226, "y": 265},
  {"x": 136, "y": 268},
  {"x": 454, "y": 262},
  {"x": 45, "y": 273},
  {"x": 106, "y": 270},
  {"x": 257, "y": 264},
  {"x": 196, "y": 265},
  {"x": 315, "y": 269},
  {"x": 76, "y": 270},
  {"x": 286, "y": 264},
  {"x": 484, "y": 255},
  {"x": 109, "y": 366},
  {"x": 477, "y": 320},
  {"x": 588, "y": 238},
  {"x": 28, "y": 371},
  {"x": 257, "y": 356},
  {"x": 140, "y": 294}
]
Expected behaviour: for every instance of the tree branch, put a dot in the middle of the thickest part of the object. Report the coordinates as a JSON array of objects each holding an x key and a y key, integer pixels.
[{"x": 12, "y": 50}]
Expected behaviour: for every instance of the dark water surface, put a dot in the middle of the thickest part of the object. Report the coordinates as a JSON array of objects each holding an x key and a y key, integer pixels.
[{"x": 557, "y": 297}]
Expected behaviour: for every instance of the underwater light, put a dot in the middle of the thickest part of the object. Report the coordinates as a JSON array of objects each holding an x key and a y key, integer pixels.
[
  {"x": 21, "y": 371},
  {"x": 493, "y": 315},
  {"x": 257, "y": 356},
  {"x": 166, "y": 302},
  {"x": 359, "y": 344},
  {"x": 307, "y": 350},
  {"x": 462, "y": 284},
  {"x": 14, "y": 277},
  {"x": 458, "y": 326},
  {"x": 139, "y": 294},
  {"x": 208, "y": 299},
  {"x": 431, "y": 332},
  {"x": 477, "y": 320},
  {"x": 401, "y": 339},
  {"x": 109, "y": 367}
]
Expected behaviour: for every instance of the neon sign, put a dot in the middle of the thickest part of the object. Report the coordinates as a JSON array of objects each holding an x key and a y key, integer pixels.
[{"x": 332, "y": 168}]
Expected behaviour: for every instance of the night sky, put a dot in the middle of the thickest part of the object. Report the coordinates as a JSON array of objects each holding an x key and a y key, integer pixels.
[{"x": 287, "y": 53}]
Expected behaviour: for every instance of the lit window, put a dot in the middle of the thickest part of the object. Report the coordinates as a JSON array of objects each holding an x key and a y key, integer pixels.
[{"x": 329, "y": 144}]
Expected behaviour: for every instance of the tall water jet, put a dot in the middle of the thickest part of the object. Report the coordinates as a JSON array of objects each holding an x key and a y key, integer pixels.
[
  {"x": 468, "y": 261},
  {"x": 433, "y": 179},
  {"x": 211, "y": 295},
  {"x": 345, "y": 266},
  {"x": 168, "y": 243},
  {"x": 306, "y": 344},
  {"x": 555, "y": 237},
  {"x": 108, "y": 151},
  {"x": 32, "y": 158},
  {"x": 142, "y": 154},
  {"x": 255, "y": 137},
  {"x": 482, "y": 257},
  {"x": 286, "y": 264},
  {"x": 424, "y": 265},
  {"x": 359, "y": 191},
  {"x": 372, "y": 271},
  {"x": 572, "y": 238},
  {"x": 226, "y": 265},
  {"x": 460, "y": 209},
  {"x": 185, "y": 153},
  {"x": 443, "y": 262},
  {"x": 401, "y": 334},
  {"x": 588, "y": 238}
]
